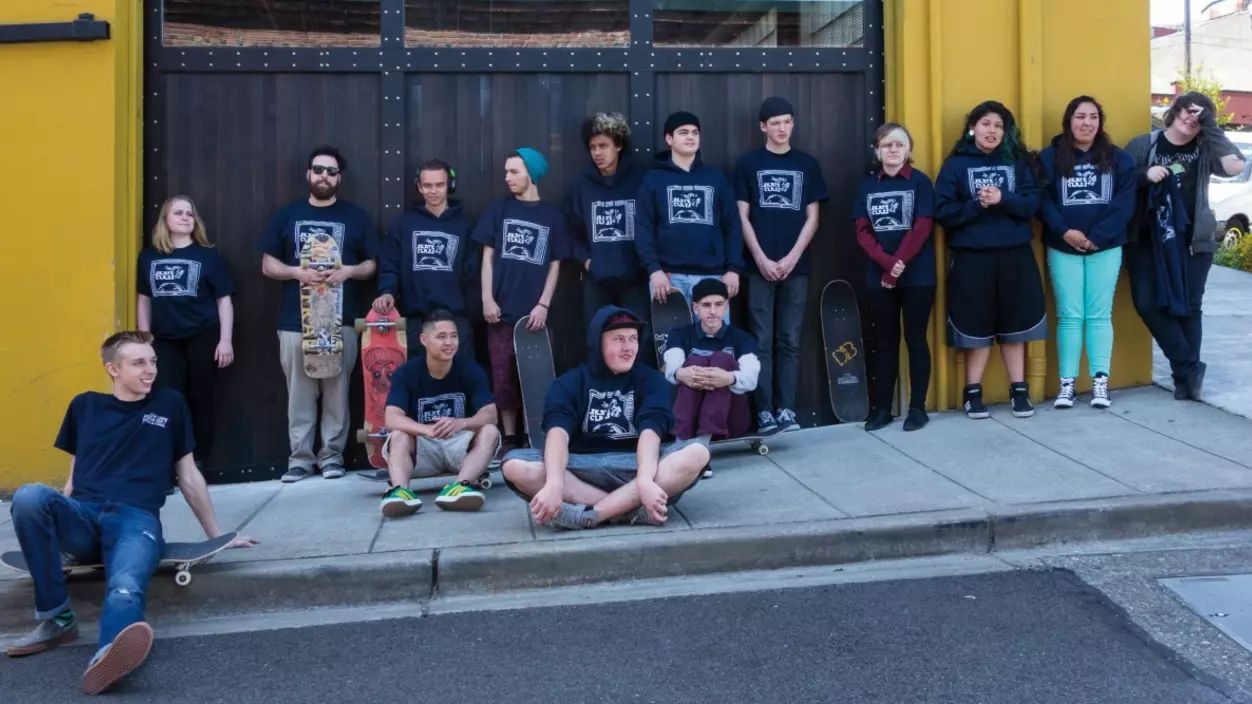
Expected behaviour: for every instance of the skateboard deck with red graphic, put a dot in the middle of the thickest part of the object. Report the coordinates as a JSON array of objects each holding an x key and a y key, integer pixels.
[
  {"x": 383, "y": 350},
  {"x": 845, "y": 358}
]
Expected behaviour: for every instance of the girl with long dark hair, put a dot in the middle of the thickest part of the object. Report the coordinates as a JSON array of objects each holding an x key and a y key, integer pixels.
[
  {"x": 1088, "y": 201},
  {"x": 986, "y": 194},
  {"x": 893, "y": 214}
]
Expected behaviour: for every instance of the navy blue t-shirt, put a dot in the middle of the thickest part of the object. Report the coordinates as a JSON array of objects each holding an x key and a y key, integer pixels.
[
  {"x": 527, "y": 236},
  {"x": 183, "y": 287},
  {"x": 778, "y": 189},
  {"x": 425, "y": 399},
  {"x": 892, "y": 205},
  {"x": 353, "y": 230},
  {"x": 125, "y": 451}
]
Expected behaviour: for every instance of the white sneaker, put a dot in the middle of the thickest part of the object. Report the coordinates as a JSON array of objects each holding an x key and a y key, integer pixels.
[
  {"x": 1065, "y": 398},
  {"x": 1100, "y": 391}
]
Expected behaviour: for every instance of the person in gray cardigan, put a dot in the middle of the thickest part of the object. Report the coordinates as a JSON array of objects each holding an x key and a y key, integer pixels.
[{"x": 1193, "y": 144}]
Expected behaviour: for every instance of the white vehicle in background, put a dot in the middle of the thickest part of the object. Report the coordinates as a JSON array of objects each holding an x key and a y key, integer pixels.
[{"x": 1230, "y": 197}]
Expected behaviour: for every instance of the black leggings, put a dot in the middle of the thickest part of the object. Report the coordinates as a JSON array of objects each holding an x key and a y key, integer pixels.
[
  {"x": 187, "y": 366},
  {"x": 885, "y": 307}
]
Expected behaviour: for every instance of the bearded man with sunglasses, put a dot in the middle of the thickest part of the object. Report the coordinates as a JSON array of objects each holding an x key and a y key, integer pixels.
[{"x": 322, "y": 212}]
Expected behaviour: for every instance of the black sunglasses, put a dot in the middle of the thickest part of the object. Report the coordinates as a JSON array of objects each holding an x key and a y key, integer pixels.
[{"x": 319, "y": 169}]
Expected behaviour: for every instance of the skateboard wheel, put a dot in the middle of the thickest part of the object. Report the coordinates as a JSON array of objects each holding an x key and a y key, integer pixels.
[
  {"x": 183, "y": 578},
  {"x": 362, "y": 436},
  {"x": 763, "y": 449},
  {"x": 485, "y": 484},
  {"x": 359, "y": 325},
  {"x": 401, "y": 324}
]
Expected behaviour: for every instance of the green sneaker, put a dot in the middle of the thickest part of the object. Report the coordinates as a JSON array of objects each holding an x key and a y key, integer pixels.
[
  {"x": 460, "y": 496},
  {"x": 399, "y": 501}
]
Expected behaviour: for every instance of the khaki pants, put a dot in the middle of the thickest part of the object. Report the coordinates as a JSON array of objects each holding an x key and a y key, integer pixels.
[{"x": 302, "y": 394}]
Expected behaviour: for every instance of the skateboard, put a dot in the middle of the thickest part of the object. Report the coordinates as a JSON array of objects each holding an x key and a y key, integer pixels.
[
  {"x": 536, "y": 372},
  {"x": 674, "y": 312},
  {"x": 182, "y": 556},
  {"x": 321, "y": 310},
  {"x": 756, "y": 440},
  {"x": 383, "y": 350},
  {"x": 845, "y": 361}
]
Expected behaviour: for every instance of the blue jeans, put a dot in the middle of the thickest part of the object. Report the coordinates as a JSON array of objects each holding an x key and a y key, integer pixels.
[
  {"x": 127, "y": 540},
  {"x": 686, "y": 282}
]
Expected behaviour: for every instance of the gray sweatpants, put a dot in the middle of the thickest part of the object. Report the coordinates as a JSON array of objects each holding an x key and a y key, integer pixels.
[{"x": 302, "y": 394}]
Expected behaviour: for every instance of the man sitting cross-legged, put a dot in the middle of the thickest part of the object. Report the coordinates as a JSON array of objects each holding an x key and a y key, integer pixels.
[
  {"x": 715, "y": 367},
  {"x": 602, "y": 459},
  {"x": 442, "y": 418},
  {"x": 125, "y": 448}
]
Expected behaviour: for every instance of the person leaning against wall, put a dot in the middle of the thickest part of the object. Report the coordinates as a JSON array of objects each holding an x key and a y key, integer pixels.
[
  {"x": 184, "y": 300},
  {"x": 985, "y": 198},
  {"x": 1088, "y": 200},
  {"x": 322, "y": 212},
  {"x": 1192, "y": 143}
]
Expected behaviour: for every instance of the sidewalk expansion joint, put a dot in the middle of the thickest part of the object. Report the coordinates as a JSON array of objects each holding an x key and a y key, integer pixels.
[{"x": 434, "y": 572}]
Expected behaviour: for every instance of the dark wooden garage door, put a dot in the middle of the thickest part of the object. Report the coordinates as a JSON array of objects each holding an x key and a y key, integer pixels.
[{"x": 238, "y": 91}]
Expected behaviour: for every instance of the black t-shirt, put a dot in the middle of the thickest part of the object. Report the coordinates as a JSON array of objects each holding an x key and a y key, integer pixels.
[
  {"x": 125, "y": 451},
  {"x": 460, "y": 394},
  {"x": 350, "y": 226},
  {"x": 1168, "y": 153},
  {"x": 184, "y": 287},
  {"x": 778, "y": 189}
]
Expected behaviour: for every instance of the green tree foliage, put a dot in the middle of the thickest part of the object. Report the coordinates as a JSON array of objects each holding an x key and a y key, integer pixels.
[{"x": 1200, "y": 82}]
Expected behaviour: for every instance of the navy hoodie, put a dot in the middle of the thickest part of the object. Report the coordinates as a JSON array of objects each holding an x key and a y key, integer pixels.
[
  {"x": 429, "y": 261},
  {"x": 968, "y": 224},
  {"x": 601, "y": 212},
  {"x": 1099, "y": 205},
  {"x": 687, "y": 222},
  {"x": 1168, "y": 223},
  {"x": 603, "y": 411}
]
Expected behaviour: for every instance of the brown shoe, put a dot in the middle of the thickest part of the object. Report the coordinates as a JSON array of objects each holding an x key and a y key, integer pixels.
[
  {"x": 46, "y": 636},
  {"x": 127, "y": 652}
]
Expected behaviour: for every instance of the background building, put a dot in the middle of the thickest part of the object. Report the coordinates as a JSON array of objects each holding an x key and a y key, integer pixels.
[
  {"x": 1220, "y": 47},
  {"x": 222, "y": 99}
]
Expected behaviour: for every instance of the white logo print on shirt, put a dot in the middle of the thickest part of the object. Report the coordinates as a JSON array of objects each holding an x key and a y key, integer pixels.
[
  {"x": 780, "y": 189},
  {"x": 890, "y": 211},
  {"x": 690, "y": 205},
  {"x": 174, "y": 277},
  {"x": 451, "y": 405},
  {"x": 1001, "y": 177},
  {"x": 434, "y": 251},
  {"x": 154, "y": 419},
  {"x": 611, "y": 414},
  {"x": 613, "y": 221},
  {"x": 1086, "y": 187},
  {"x": 305, "y": 229},
  {"x": 525, "y": 241}
]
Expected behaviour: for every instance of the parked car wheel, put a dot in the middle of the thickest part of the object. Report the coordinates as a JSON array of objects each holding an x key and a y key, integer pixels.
[{"x": 1235, "y": 230}]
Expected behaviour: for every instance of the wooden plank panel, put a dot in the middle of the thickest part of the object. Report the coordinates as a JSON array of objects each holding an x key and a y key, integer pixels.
[
  {"x": 473, "y": 121},
  {"x": 238, "y": 145},
  {"x": 831, "y": 126}
]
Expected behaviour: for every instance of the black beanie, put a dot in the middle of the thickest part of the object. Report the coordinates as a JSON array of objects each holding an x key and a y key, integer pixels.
[
  {"x": 709, "y": 287},
  {"x": 678, "y": 119},
  {"x": 775, "y": 106}
]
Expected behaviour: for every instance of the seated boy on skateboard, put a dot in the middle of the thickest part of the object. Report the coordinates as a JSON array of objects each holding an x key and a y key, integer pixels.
[
  {"x": 715, "y": 367},
  {"x": 443, "y": 421},
  {"x": 602, "y": 459},
  {"x": 122, "y": 449}
]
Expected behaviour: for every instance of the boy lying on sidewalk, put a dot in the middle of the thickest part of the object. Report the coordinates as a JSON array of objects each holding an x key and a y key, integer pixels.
[{"x": 602, "y": 459}]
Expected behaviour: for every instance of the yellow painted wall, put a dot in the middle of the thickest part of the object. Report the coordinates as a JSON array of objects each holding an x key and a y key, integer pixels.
[
  {"x": 71, "y": 202},
  {"x": 946, "y": 56}
]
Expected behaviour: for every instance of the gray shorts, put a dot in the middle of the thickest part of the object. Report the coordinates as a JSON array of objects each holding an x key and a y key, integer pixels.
[
  {"x": 606, "y": 471},
  {"x": 434, "y": 457}
]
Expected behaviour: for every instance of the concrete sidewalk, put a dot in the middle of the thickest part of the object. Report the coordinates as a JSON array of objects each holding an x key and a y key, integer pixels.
[{"x": 1150, "y": 465}]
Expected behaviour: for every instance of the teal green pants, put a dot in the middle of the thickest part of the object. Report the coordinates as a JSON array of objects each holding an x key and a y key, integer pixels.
[{"x": 1084, "y": 286}]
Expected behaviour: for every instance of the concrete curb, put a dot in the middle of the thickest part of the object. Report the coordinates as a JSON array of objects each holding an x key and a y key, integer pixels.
[{"x": 413, "y": 577}]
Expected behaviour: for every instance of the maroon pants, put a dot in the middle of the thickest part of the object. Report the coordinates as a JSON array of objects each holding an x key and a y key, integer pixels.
[
  {"x": 719, "y": 412},
  {"x": 504, "y": 383}
]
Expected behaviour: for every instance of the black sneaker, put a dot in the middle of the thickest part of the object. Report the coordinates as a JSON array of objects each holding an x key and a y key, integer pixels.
[
  {"x": 1195, "y": 382},
  {"x": 879, "y": 418},
  {"x": 1019, "y": 397},
  {"x": 1181, "y": 393},
  {"x": 296, "y": 474},
  {"x": 916, "y": 420},
  {"x": 974, "y": 407}
]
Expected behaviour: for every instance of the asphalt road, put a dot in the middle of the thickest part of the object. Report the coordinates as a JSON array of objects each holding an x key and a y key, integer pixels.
[{"x": 1019, "y": 637}]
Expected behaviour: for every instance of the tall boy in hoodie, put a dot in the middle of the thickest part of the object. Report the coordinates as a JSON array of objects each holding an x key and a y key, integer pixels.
[
  {"x": 687, "y": 223},
  {"x": 602, "y": 459},
  {"x": 427, "y": 260},
  {"x": 523, "y": 241},
  {"x": 601, "y": 209}
]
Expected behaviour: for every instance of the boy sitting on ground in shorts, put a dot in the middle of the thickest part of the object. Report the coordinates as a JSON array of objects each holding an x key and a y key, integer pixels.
[
  {"x": 442, "y": 418},
  {"x": 602, "y": 459}
]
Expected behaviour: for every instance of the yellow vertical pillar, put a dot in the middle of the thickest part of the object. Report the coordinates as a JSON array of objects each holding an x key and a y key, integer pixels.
[{"x": 71, "y": 199}]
